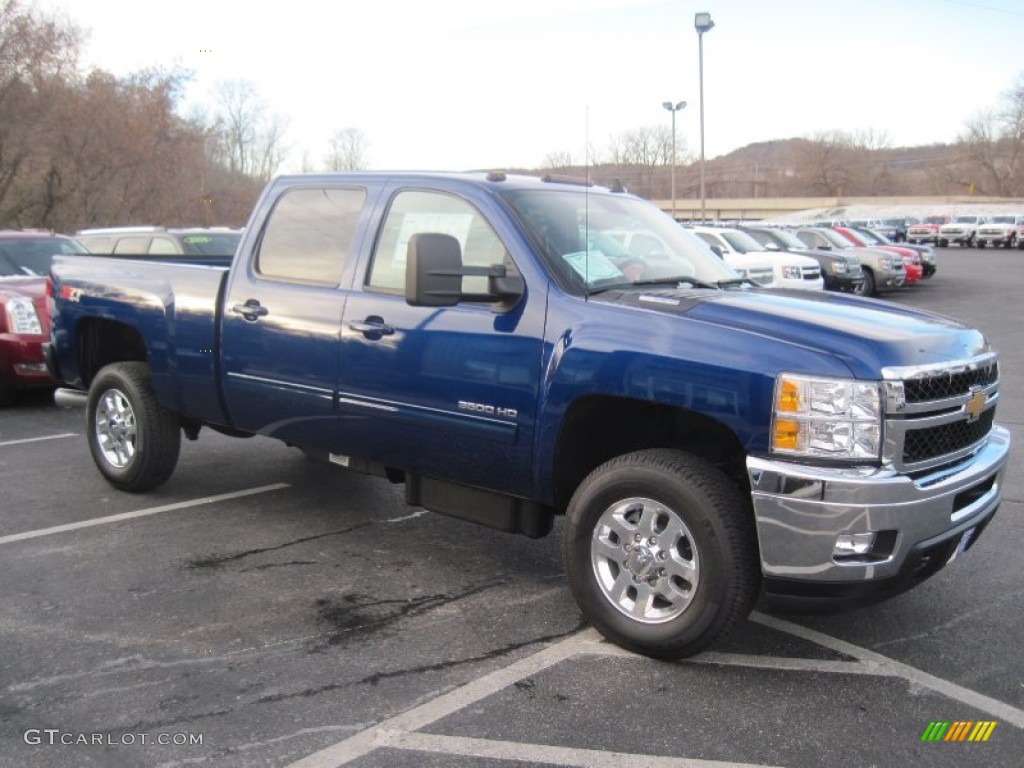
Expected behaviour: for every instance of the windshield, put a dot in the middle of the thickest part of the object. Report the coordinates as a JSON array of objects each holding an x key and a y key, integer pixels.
[
  {"x": 854, "y": 236},
  {"x": 1002, "y": 220},
  {"x": 964, "y": 219},
  {"x": 592, "y": 240},
  {"x": 32, "y": 255},
  {"x": 935, "y": 220},
  {"x": 837, "y": 240},
  {"x": 871, "y": 237},
  {"x": 742, "y": 242},
  {"x": 220, "y": 244}
]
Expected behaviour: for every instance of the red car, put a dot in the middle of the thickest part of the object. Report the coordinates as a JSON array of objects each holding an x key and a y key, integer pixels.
[
  {"x": 24, "y": 321},
  {"x": 912, "y": 266}
]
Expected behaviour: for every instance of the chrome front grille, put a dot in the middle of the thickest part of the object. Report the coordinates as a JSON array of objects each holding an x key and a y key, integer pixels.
[
  {"x": 950, "y": 383},
  {"x": 939, "y": 414}
]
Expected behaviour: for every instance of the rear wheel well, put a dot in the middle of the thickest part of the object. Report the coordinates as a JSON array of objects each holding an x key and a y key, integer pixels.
[
  {"x": 102, "y": 342},
  {"x": 598, "y": 428}
]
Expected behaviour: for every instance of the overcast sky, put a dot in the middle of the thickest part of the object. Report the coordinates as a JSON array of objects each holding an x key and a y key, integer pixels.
[{"x": 459, "y": 84}]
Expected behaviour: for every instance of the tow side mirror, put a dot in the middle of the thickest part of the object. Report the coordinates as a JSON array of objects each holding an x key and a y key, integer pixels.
[
  {"x": 718, "y": 250},
  {"x": 434, "y": 272}
]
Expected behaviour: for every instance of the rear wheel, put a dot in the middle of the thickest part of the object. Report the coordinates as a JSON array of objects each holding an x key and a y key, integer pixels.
[
  {"x": 133, "y": 439},
  {"x": 661, "y": 553}
]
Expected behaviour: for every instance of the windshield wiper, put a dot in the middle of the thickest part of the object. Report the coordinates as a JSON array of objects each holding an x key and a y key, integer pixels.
[
  {"x": 654, "y": 281},
  {"x": 736, "y": 281}
]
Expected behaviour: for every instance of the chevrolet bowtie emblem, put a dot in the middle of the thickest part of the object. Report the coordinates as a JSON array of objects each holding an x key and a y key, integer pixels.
[{"x": 975, "y": 405}]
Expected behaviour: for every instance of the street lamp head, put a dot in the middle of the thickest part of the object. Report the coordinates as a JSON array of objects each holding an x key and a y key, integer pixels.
[
  {"x": 702, "y": 22},
  {"x": 673, "y": 107}
]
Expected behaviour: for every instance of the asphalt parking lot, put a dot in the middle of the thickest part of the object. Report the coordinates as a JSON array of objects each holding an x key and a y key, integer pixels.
[{"x": 264, "y": 610}]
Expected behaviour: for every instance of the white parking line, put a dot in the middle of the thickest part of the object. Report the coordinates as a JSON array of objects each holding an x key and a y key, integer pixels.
[
  {"x": 402, "y": 731},
  {"x": 1001, "y": 710},
  {"x": 38, "y": 439},
  {"x": 140, "y": 513},
  {"x": 544, "y": 753}
]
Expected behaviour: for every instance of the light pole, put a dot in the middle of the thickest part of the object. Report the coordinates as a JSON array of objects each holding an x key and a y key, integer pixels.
[
  {"x": 673, "y": 108},
  {"x": 703, "y": 23}
]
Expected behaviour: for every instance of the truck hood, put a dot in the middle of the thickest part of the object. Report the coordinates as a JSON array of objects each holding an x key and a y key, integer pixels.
[
  {"x": 33, "y": 287},
  {"x": 866, "y": 334}
]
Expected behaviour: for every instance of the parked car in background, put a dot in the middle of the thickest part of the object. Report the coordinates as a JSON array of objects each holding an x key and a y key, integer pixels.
[
  {"x": 927, "y": 230},
  {"x": 154, "y": 241},
  {"x": 1001, "y": 230},
  {"x": 24, "y": 321},
  {"x": 929, "y": 264},
  {"x": 790, "y": 270},
  {"x": 883, "y": 270},
  {"x": 841, "y": 272},
  {"x": 912, "y": 269},
  {"x": 962, "y": 231}
]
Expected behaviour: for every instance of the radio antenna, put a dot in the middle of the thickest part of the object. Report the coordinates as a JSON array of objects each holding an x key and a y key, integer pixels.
[{"x": 586, "y": 203}]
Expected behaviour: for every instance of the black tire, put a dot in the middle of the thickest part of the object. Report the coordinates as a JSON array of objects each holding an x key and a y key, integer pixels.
[
  {"x": 981, "y": 244},
  {"x": 697, "y": 546},
  {"x": 133, "y": 439},
  {"x": 941, "y": 243},
  {"x": 7, "y": 396},
  {"x": 870, "y": 288}
]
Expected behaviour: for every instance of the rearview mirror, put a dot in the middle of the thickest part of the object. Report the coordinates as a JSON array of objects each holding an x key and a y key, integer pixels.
[{"x": 434, "y": 272}]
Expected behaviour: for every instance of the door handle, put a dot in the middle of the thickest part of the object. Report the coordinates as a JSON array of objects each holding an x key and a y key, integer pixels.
[
  {"x": 372, "y": 327},
  {"x": 250, "y": 310}
]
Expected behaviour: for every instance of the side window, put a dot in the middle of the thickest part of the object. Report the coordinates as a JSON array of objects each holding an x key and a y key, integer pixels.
[
  {"x": 413, "y": 212},
  {"x": 309, "y": 235},
  {"x": 132, "y": 244},
  {"x": 163, "y": 245}
]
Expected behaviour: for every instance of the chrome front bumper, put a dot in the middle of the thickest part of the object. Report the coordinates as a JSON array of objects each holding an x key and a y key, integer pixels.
[{"x": 801, "y": 510}]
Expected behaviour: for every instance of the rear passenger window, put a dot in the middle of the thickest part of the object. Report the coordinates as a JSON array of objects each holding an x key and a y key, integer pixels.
[
  {"x": 136, "y": 245},
  {"x": 413, "y": 212},
  {"x": 309, "y": 235},
  {"x": 162, "y": 245}
]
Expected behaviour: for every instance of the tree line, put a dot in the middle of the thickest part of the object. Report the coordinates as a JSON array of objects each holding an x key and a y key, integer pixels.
[
  {"x": 987, "y": 160},
  {"x": 87, "y": 148}
]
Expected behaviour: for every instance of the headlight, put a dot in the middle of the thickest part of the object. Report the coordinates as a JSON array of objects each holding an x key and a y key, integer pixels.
[
  {"x": 886, "y": 262},
  {"x": 791, "y": 273},
  {"x": 22, "y": 317},
  {"x": 832, "y": 418},
  {"x": 838, "y": 267}
]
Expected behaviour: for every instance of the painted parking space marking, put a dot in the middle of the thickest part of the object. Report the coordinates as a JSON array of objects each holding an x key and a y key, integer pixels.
[
  {"x": 140, "y": 513},
  {"x": 1001, "y": 710},
  {"x": 402, "y": 731},
  {"x": 37, "y": 439}
]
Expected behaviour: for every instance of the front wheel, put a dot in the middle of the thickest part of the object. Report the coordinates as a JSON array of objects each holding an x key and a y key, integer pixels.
[
  {"x": 981, "y": 244},
  {"x": 133, "y": 439},
  {"x": 661, "y": 553}
]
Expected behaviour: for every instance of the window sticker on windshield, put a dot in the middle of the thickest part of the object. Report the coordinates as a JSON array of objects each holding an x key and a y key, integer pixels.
[
  {"x": 192, "y": 239},
  {"x": 592, "y": 265},
  {"x": 455, "y": 224}
]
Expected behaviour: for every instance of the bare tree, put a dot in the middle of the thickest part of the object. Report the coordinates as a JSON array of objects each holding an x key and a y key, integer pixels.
[
  {"x": 557, "y": 160},
  {"x": 347, "y": 151},
  {"x": 36, "y": 52},
  {"x": 992, "y": 148},
  {"x": 251, "y": 140}
]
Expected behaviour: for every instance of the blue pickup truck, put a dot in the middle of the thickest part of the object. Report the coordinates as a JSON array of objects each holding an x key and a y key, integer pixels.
[{"x": 491, "y": 342}]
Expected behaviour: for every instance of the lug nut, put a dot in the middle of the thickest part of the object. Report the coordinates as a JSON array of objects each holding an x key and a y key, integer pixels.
[
  {"x": 638, "y": 538},
  {"x": 663, "y": 555},
  {"x": 662, "y": 572},
  {"x": 652, "y": 541}
]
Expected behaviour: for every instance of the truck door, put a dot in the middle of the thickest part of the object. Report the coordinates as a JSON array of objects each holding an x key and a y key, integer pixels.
[
  {"x": 282, "y": 315},
  {"x": 446, "y": 392}
]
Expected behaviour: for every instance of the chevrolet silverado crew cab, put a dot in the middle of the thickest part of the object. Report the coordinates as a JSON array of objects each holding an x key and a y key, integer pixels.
[
  {"x": 469, "y": 336},
  {"x": 961, "y": 230},
  {"x": 1000, "y": 230}
]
